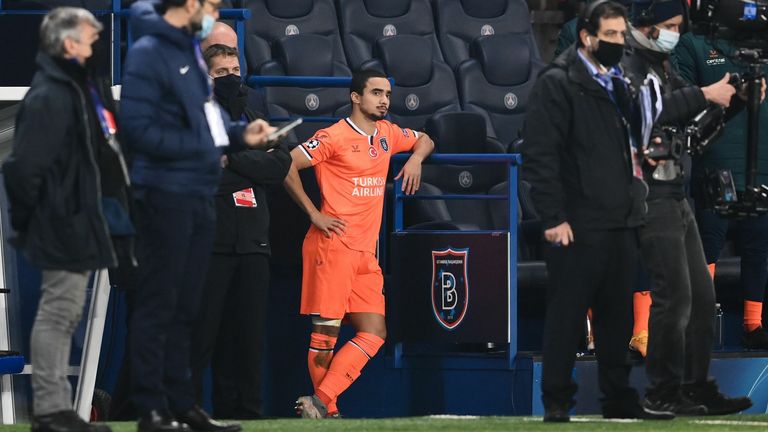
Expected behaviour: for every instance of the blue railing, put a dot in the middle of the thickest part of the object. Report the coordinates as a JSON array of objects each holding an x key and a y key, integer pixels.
[
  {"x": 297, "y": 81},
  {"x": 240, "y": 16},
  {"x": 512, "y": 161}
]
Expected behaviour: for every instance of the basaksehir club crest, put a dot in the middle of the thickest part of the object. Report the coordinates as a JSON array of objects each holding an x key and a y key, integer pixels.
[{"x": 450, "y": 287}]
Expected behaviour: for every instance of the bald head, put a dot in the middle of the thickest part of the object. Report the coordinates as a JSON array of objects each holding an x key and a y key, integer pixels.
[{"x": 221, "y": 34}]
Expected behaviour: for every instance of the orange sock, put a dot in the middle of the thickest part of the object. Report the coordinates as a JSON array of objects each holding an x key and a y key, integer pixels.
[
  {"x": 319, "y": 358},
  {"x": 347, "y": 364},
  {"x": 753, "y": 315},
  {"x": 642, "y": 307},
  {"x": 711, "y": 268},
  {"x": 590, "y": 330}
]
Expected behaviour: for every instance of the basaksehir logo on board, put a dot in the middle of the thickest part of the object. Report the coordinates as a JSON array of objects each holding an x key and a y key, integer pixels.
[{"x": 450, "y": 287}]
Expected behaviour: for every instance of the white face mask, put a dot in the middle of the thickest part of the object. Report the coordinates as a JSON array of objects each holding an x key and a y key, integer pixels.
[{"x": 667, "y": 40}]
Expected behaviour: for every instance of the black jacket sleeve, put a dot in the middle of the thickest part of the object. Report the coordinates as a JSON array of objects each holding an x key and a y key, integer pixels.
[
  {"x": 39, "y": 139},
  {"x": 545, "y": 136},
  {"x": 262, "y": 167},
  {"x": 257, "y": 103},
  {"x": 682, "y": 103}
]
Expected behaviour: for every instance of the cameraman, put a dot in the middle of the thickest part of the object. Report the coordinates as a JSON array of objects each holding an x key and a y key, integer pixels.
[
  {"x": 681, "y": 325},
  {"x": 702, "y": 61}
]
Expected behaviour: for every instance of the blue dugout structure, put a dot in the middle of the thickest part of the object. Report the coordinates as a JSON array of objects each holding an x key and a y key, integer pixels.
[{"x": 491, "y": 315}]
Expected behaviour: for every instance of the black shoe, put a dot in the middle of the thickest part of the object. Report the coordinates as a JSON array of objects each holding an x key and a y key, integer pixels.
[
  {"x": 633, "y": 410},
  {"x": 557, "y": 414},
  {"x": 756, "y": 339},
  {"x": 671, "y": 402},
  {"x": 199, "y": 421},
  {"x": 716, "y": 403},
  {"x": 157, "y": 421},
  {"x": 65, "y": 421}
]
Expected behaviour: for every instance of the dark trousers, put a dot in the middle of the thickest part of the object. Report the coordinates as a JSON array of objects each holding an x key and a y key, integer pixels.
[
  {"x": 753, "y": 240},
  {"x": 598, "y": 271},
  {"x": 175, "y": 237},
  {"x": 230, "y": 332},
  {"x": 681, "y": 325}
]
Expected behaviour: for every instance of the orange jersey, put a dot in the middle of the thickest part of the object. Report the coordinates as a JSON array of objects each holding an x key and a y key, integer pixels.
[{"x": 351, "y": 169}]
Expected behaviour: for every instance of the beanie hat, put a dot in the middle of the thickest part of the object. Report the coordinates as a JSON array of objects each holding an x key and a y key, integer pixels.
[{"x": 648, "y": 13}]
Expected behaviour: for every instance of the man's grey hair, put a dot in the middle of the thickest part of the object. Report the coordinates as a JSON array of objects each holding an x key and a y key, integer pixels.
[{"x": 64, "y": 23}]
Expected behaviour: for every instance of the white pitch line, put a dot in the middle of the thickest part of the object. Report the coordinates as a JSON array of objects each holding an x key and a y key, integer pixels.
[
  {"x": 729, "y": 423},
  {"x": 588, "y": 420},
  {"x": 602, "y": 420},
  {"x": 453, "y": 417}
]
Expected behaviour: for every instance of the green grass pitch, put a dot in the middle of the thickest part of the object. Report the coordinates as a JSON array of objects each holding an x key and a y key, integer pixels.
[{"x": 745, "y": 423}]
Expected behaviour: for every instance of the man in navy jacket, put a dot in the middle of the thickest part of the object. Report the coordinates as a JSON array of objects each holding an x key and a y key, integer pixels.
[{"x": 176, "y": 133}]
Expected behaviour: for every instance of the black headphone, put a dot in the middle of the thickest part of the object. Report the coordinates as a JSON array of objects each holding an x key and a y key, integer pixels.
[{"x": 584, "y": 20}]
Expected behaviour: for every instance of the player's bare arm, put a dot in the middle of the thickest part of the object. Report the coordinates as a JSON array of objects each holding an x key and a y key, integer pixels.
[
  {"x": 292, "y": 183},
  {"x": 411, "y": 171}
]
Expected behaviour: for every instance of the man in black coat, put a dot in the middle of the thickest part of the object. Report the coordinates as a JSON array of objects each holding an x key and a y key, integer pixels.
[
  {"x": 586, "y": 184},
  {"x": 66, "y": 181},
  {"x": 230, "y": 327},
  {"x": 681, "y": 327}
]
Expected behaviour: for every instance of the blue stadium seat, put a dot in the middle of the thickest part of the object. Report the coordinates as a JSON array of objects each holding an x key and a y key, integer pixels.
[
  {"x": 423, "y": 85},
  {"x": 461, "y": 179},
  {"x": 496, "y": 82},
  {"x": 461, "y": 132},
  {"x": 459, "y": 22},
  {"x": 305, "y": 55},
  {"x": 272, "y": 20},
  {"x": 363, "y": 22}
]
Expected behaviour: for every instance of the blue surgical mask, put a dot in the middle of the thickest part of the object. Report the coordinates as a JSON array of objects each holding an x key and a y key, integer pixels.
[
  {"x": 206, "y": 26},
  {"x": 667, "y": 40}
]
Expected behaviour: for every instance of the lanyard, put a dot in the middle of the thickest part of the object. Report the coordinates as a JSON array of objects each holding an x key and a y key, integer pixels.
[
  {"x": 106, "y": 118},
  {"x": 620, "y": 86},
  {"x": 109, "y": 127},
  {"x": 650, "y": 109}
]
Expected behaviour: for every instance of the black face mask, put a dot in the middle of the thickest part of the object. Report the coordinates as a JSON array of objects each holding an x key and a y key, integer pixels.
[
  {"x": 230, "y": 94},
  {"x": 98, "y": 62},
  {"x": 608, "y": 53}
]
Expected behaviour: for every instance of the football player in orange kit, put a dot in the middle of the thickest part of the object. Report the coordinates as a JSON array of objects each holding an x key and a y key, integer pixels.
[{"x": 341, "y": 275}]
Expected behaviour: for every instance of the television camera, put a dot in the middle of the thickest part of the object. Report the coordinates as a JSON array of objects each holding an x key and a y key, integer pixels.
[{"x": 743, "y": 25}]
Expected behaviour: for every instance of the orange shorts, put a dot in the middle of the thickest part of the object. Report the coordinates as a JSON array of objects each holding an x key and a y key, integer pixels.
[{"x": 337, "y": 280}]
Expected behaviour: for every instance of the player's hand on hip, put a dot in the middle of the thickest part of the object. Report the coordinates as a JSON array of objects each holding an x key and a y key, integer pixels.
[
  {"x": 256, "y": 133},
  {"x": 328, "y": 224},
  {"x": 561, "y": 235},
  {"x": 411, "y": 175}
]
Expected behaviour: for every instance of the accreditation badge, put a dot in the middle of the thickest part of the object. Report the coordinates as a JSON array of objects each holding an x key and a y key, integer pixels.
[{"x": 244, "y": 198}]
